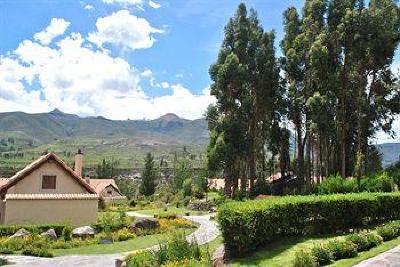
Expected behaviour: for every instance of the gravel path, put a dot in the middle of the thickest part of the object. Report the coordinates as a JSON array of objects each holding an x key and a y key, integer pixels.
[
  {"x": 390, "y": 258},
  {"x": 206, "y": 232}
]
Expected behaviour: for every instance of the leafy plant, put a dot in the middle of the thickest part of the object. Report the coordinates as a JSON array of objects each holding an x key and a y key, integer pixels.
[
  {"x": 322, "y": 254},
  {"x": 304, "y": 258},
  {"x": 342, "y": 249}
]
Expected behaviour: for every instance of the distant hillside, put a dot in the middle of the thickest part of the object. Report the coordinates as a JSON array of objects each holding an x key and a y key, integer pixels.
[
  {"x": 25, "y": 136},
  {"x": 390, "y": 153},
  {"x": 45, "y": 128}
]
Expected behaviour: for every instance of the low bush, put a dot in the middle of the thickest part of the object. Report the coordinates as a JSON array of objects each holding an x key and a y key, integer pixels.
[
  {"x": 123, "y": 235},
  {"x": 8, "y": 230},
  {"x": 378, "y": 183},
  {"x": 37, "y": 252},
  {"x": 168, "y": 224},
  {"x": 322, "y": 254},
  {"x": 387, "y": 232},
  {"x": 335, "y": 185},
  {"x": 249, "y": 224},
  {"x": 175, "y": 250},
  {"x": 374, "y": 239},
  {"x": 166, "y": 215},
  {"x": 360, "y": 240},
  {"x": 6, "y": 250},
  {"x": 141, "y": 259},
  {"x": 67, "y": 233},
  {"x": 304, "y": 258},
  {"x": 342, "y": 249}
]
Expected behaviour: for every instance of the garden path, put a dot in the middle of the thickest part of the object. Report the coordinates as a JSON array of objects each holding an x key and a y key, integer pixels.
[
  {"x": 206, "y": 232},
  {"x": 390, "y": 258}
]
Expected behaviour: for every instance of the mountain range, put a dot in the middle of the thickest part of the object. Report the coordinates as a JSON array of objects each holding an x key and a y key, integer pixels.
[{"x": 123, "y": 139}]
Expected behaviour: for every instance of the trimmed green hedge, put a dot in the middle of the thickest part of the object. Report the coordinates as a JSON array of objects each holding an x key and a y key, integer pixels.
[
  {"x": 247, "y": 225},
  {"x": 8, "y": 230}
]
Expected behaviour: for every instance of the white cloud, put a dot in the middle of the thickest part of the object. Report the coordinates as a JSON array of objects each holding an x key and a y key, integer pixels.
[
  {"x": 125, "y": 30},
  {"x": 154, "y": 4},
  {"x": 165, "y": 85},
  {"x": 56, "y": 28},
  {"x": 88, "y": 7},
  {"x": 81, "y": 79},
  {"x": 124, "y": 2}
]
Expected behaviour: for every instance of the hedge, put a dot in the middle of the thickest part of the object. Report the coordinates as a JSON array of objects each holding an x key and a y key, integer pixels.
[
  {"x": 247, "y": 225},
  {"x": 8, "y": 230}
]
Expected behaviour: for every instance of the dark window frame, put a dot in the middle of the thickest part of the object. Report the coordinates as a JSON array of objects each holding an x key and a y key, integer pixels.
[{"x": 49, "y": 182}]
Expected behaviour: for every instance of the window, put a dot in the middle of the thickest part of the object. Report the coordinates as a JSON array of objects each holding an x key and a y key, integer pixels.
[
  {"x": 49, "y": 182},
  {"x": 109, "y": 192}
]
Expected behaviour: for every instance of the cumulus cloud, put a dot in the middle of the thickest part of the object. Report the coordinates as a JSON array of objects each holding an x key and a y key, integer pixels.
[
  {"x": 154, "y": 4},
  {"x": 56, "y": 28},
  {"x": 79, "y": 78},
  {"x": 124, "y": 29}
]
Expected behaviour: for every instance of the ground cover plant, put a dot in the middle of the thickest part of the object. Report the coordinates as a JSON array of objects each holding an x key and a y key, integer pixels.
[
  {"x": 249, "y": 224},
  {"x": 177, "y": 251},
  {"x": 110, "y": 228}
]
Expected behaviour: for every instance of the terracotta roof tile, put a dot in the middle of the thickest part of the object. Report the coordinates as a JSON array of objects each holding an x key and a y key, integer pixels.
[
  {"x": 100, "y": 184},
  {"x": 51, "y": 196}
]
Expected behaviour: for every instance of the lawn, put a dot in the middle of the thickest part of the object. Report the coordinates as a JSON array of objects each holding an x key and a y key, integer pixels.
[
  {"x": 140, "y": 242},
  {"x": 177, "y": 211},
  {"x": 281, "y": 253}
]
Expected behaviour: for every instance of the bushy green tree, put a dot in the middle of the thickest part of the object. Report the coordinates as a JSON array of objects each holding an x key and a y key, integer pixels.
[{"x": 148, "y": 185}]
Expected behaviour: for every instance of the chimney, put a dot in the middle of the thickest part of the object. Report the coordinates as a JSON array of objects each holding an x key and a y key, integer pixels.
[{"x": 78, "y": 163}]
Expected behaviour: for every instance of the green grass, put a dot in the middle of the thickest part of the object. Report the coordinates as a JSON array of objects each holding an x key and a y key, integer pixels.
[
  {"x": 277, "y": 254},
  {"x": 368, "y": 254},
  {"x": 282, "y": 252},
  {"x": 178, "y": 211},
  {"x": 140, "y": 242}
]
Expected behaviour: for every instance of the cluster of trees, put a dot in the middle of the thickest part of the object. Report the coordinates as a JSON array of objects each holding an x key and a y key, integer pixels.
[
  {"x": 333, "y": 86},
  {"x": 182, "y": 181}
]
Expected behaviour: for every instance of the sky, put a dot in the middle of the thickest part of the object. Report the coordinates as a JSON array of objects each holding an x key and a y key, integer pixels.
[{"x": 121, "y": 59}]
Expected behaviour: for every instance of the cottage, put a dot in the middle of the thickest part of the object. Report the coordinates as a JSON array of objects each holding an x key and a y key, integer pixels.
[
  {"x": 48, "y": 191},
  {"x": 107, "y": 190}
]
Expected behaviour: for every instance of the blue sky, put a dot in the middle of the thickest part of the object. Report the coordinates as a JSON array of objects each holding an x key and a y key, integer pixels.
[{"x": 116, "y": 58}]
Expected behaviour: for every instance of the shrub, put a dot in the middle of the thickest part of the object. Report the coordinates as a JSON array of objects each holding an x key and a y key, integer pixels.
[
  {"x": 322, "y": 254},
  {"x": 37, "y": 252},
  {"x": 177, "y": 223},
  {"x": 6, "y": 250},
  {"x": 123, "y": 235},
  {"x": 342, "y": 249},
  {"x": 387, "y": 232},
  {"x": 166, "y": 215},
  {"x": 377, "y": 183},
  {"x": 176, "y": 249},
  {"x": 335, "y": 185},
  {"x": 246, "y": 225},
  {"x": 360, "y": 240},
  {"x": 140, "y": 259},
  {"x": 374, "y": 240},
  {"x": 67, "y": 233},
  {"x": 304, "y": 258},
  {"x": 8, "y": 230}
]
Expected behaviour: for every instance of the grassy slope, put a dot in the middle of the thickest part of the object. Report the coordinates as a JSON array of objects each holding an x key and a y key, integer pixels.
[{"x": 281, "y": 253}]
